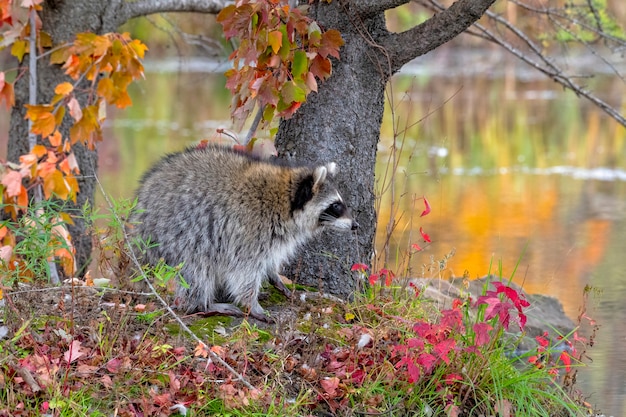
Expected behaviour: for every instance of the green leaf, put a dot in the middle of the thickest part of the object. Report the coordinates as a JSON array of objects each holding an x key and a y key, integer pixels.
[
  {"x": 299, "y": 65},
  {"x": 291, "y": 92}
]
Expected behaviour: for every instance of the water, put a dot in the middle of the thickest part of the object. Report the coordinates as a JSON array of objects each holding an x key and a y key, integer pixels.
[{"x": 517, "y": 172}]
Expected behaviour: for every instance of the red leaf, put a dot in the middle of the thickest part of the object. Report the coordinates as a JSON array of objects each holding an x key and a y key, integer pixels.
[
  {"x": 330, "y": 386},
  {"x": 359, "y": 267},
  {"x": 481, "y": 331},
  {"x": 542, "y": 341},
  {"x": 427, "y": 361},
  {"x": 414, "y": 372},
  {"x": 373, "y": 278},
  {"x": 424, "y": 235},
  {"x": 426, "y": 207},
  {"x": 565, "y": 358},
  {"x": 416, "y": 247},
  {"x": 114, "y": 365}
]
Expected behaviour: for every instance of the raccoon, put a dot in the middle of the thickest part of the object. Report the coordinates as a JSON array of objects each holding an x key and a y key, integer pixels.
[{"x": 232, "y": 220}]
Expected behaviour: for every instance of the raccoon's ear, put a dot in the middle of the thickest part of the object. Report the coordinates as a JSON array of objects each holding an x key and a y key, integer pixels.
[
  {"x": 303, "y": 193},
  {"x": 319, "y": 175},
  {"x": 332, "y": 168}
]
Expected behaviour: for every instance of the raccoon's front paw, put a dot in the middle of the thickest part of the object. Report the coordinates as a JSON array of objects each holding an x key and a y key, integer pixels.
[{"x": 257, "y": 312}]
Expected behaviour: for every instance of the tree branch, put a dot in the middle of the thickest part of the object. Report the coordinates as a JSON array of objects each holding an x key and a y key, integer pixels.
[
  {"x": 147, "y": 7},
  {"x": 439, "y": 29},
  {"x": 367, "y": 8}
]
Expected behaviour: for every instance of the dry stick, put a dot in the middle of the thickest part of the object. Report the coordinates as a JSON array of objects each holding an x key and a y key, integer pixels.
[
  {"x": 183, "y": 326},
  {"x": 32, "y": 100},
  {"x": 254, "y": 126}
]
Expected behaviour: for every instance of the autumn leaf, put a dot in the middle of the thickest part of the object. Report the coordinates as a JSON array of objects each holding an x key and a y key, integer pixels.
[
  {"x": 55, "y": 138},
  {"x": 74, "y": 352},
  {"x": 566, "y": 359},
  {"x": 275, "y": 40},
  {"x": 424, "y": 235},
  {"x": 12, "y": 180},
  {"x": 19, "y": 49},
  {"x": 481, "y": 333},
  {"x": 6, "y": 92},
  {"x": 54, "y": 184},
  {"x": 75, "y": 110},
  {"x": 64, "y": 89},
  {"x": 359, "y": 267},
  {"x": 39, "y": 150},
  {"x": 426, "y": 207},
  {"x": 330, "y": 43},
  {"x": 43, "y": 121}
]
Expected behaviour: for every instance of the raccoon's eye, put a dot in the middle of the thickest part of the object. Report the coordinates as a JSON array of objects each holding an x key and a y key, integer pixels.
[{"x": 337, "y": 209}]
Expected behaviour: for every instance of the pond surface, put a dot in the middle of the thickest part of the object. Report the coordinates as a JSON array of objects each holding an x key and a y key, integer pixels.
[{"x": 517, "y": 171}]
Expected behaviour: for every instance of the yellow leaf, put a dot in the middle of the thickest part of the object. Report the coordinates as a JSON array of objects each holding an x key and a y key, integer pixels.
[
  {"x": 139, "y": 47},
  {"x": 64, "y": 89},
  {"x": 106, "y": 89},
  {"x": 19, "y": 49},
  {"x": 54, "y": 184},
  {"x": 275, "y": 39},
  {"x": 60, "y": 55}
]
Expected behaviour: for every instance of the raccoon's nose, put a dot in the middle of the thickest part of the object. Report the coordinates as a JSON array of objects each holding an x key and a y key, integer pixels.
[{"x": 355, "y": 225}]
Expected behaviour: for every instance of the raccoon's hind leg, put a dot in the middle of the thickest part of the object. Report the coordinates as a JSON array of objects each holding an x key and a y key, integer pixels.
[{"x": 275, "y": 280}]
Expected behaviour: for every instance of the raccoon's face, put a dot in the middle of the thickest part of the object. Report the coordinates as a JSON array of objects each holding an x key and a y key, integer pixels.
[{"x": 317, "y": 204}]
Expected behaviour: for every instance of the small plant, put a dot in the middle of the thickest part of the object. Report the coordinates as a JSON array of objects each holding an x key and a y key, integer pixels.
[{"x": 29, "y": 243}]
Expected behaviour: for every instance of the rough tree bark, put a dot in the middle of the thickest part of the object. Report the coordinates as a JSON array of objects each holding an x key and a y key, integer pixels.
[{"x": 341, "y": 122}]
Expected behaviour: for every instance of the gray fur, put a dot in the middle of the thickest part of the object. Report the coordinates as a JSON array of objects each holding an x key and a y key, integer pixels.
[{"x": 233, "y": 220}]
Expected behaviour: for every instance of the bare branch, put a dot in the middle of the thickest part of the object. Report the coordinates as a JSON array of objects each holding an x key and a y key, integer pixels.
[
  {"x": 119, "y": 12},
  {"x": 540, "y": 62},
  {"x": 439, "y": 29},
  {"x": 367, "y": 8},
  {"x": 147, "y": 7}
]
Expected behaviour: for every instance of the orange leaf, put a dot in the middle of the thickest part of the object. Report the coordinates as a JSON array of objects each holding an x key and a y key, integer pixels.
[
  {"x": 55, "y": 138},
  {"x": 22, "y": 199},
  {"x": 39, "y": 150},
  {"x": 44, "y": 122},
  {"x": 6, "y": 92},
  {"x": 54, "y": 184},
  {"x": 64, "y": 89}
]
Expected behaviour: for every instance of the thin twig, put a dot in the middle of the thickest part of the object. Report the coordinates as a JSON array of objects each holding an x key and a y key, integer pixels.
[{"x": 254, "y": 126}]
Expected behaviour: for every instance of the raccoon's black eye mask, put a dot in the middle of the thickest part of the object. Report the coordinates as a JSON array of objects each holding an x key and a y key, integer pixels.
[{"x": 337, "y": 209}]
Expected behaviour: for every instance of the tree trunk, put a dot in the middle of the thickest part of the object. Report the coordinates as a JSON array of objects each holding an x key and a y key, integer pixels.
[
  {"x": 62, "y": 20},
  {"x": 341, "y": 123}
]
